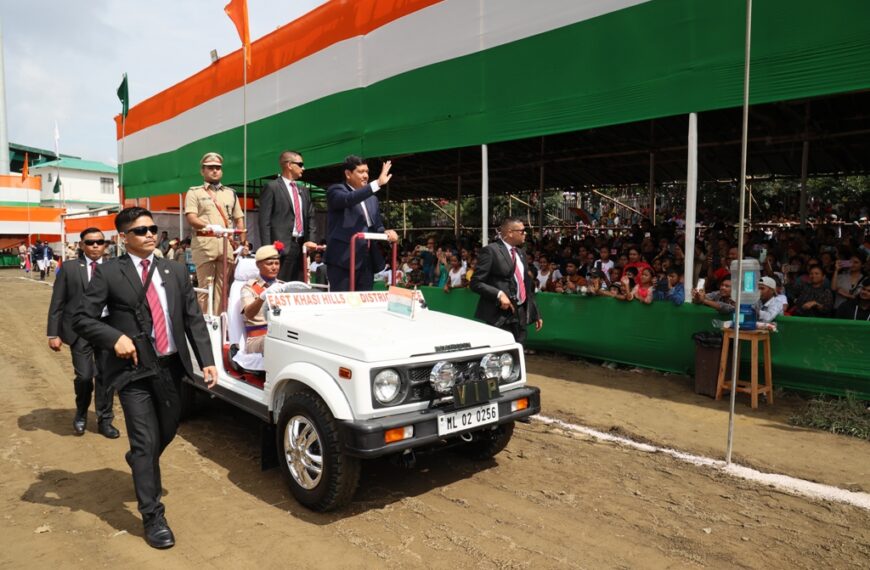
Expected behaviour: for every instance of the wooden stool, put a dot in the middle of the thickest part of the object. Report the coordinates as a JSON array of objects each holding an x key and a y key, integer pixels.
[{"x": 751, "y": 386}]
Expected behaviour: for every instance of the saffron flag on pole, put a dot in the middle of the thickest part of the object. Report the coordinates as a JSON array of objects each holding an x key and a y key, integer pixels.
[
  {"x": 237, "y": 10},
  {"x": 124, "y": 96},
  {"x": 24, "y": 171}
]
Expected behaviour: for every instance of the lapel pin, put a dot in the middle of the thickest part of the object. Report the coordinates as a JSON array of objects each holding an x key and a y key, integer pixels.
[{"x": 166, "y": 271}]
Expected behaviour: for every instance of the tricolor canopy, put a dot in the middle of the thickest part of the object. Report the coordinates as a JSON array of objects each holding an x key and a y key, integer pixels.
[{"x": 388, "y": 77}]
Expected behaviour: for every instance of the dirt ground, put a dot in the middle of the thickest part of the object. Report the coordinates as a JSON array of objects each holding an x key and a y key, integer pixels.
[{"x": 550, "y": 500}]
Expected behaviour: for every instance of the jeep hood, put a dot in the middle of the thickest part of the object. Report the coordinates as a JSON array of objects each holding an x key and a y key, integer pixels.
[{"x": 374, "y": 335}]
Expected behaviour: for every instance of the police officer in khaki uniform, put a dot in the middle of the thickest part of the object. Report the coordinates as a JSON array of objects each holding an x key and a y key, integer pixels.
[{"x": 209, "y": 209}]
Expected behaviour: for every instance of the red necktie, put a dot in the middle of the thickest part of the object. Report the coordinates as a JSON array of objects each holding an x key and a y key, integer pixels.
[
  {"x": 161, "y": 338},
  {"x": 518, "y": 275},
  {"x": 93, "y": 270},
  {"x": 297, "y": 209}
]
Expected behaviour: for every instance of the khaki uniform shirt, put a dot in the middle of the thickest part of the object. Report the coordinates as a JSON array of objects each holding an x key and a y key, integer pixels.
[
  {"x": 249, "y": 295},
  {"x": 198, "y": 201}
]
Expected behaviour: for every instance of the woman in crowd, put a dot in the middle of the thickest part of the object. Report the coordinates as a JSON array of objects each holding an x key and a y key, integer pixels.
[{"x": 847, "y": 284}]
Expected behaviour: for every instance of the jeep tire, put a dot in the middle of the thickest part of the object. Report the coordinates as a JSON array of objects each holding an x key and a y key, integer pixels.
[
  {"x": 309, "y": 445},
  {"x": 487, "y": 444}
]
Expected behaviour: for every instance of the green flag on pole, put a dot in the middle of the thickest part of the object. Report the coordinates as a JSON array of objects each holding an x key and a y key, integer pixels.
[
  {"x": 57, "y": 185},
  {"x": 124, "y": 96}
]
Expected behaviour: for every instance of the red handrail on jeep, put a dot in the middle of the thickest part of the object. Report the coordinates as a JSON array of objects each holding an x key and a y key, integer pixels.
[{"x": 369, "y": 237}]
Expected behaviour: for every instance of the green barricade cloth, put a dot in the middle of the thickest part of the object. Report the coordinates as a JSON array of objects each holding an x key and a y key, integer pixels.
[
  {"x": 9, "y": 261},
  {"x": 814, "y": 355}
]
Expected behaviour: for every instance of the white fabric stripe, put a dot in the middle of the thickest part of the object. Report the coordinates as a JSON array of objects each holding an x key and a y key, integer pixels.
[
  {"x": 8, "y": 194},
  {"x": 444, "y": 31},
  {"x": 7, "y": 227},
  {"x": 785, "y": 483}
]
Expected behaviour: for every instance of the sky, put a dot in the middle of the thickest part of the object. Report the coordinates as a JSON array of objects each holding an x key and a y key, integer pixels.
[{"x": 64, "y": 60}]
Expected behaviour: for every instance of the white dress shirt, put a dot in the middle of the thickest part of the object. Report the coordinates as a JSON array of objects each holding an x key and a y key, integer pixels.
[
  {"x": 519, "y": 263},
  {"x": 287, "y": 184},
  {"x": 99, "y": 261},
  {"x": 160, "y": 287}
]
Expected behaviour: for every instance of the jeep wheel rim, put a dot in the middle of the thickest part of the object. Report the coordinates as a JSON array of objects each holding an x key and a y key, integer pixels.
[{"x": 303, "y": 452}]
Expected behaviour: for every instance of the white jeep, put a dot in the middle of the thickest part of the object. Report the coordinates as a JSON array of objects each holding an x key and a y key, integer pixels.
[{"x": 348, "y": 376}]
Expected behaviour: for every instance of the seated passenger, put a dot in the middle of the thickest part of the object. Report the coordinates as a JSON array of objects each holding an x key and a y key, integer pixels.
[{"x": 254, "y": 296}]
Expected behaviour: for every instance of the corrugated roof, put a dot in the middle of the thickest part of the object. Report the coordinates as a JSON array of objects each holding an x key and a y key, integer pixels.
[{"x": 77, "y": 164}]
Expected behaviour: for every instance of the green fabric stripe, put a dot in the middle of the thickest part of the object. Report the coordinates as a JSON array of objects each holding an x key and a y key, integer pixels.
[{"x": 658, "y": 59}]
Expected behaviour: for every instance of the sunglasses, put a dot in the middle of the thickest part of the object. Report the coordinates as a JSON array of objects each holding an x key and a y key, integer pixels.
[
  {"x": 95, "y": 242},
  {"x": 213, "y": 167},
  {"x": 142, "y": 231},
  {"x": 299, "y": 164}
]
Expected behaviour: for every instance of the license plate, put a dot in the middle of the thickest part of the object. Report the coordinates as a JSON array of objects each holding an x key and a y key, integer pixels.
[{"x": 467, "y": 419}]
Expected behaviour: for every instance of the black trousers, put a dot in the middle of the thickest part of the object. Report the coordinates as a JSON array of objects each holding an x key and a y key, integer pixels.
[
  {"x": 89, "y": 380},
  {"x": 291, "y": 262},
  {"x": 519, "y": 327},
  {"x": 339, "y": 278},
  {"x": 152, "y": 409}
]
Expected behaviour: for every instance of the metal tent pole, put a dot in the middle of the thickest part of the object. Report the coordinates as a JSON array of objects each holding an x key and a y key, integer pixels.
[
  {"x": 484, "y": 194},
  {"x": 691, "y": 207},
  {"x": 735, "y": 360}
]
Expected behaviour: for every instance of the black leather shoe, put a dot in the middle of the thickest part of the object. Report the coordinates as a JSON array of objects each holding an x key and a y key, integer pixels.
[
  {"x": 158, "y": 534},
  {"x": 106, "y": 429},
  {"x": 79, "y": 425}
]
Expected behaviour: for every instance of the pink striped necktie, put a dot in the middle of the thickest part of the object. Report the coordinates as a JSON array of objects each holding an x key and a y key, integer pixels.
[
  {"x": 518, "y": 275},
  {"x": 161, "y": 337},
  {"x": 297, "y": 208},
  {"x": 93, "y": 270}
]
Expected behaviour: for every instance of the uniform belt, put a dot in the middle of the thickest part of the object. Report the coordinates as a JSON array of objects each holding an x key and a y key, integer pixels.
[{"x": 203, "y": 233}]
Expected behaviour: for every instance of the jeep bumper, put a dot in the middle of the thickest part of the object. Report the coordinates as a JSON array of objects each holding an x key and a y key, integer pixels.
[{"x": 366, "y": 438}]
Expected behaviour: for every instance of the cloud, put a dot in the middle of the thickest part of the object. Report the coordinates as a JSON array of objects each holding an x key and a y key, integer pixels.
[{"x": 64, "y": 60}]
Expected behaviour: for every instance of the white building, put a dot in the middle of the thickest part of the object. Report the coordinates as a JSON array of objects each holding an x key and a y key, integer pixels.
[{"x": 86, "y": 184}]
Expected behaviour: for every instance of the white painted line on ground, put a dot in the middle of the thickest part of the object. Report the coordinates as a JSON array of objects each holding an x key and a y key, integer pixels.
[
  {"x": 785, "y": 483},
  {"x": 49, "y": 283}
]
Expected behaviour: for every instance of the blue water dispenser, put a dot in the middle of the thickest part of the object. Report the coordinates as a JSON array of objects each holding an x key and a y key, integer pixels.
[{"x": 749, "y": 294}]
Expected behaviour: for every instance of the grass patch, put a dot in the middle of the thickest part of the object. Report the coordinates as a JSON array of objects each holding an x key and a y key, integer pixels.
[{"x": 848, "y": 416}]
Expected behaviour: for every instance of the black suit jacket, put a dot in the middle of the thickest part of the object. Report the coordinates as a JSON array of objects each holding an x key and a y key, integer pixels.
[
  {"x": 118, "y": 285},
  {"x": 276, "y": 215},
  {"x": 494, "y": 273},
  {"x": 69, "y": 287},
  {"x": 41, "y": 252},
  {"x": 345, "y": 218}
]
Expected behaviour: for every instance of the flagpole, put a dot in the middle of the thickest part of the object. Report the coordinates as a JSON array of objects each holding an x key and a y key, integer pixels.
[
  {"x": 121, "y": 169},
  {"x": 29, "y": 231},
  {"x": 62, "y": 195},
  {"x": 245, "y": 48}
]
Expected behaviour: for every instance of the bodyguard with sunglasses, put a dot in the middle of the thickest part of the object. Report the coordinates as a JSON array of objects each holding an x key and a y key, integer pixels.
[
  {"x": 69, "y": 287},
  {"x": 165, "y": 315},
  {"x": 287, "y": 215}
]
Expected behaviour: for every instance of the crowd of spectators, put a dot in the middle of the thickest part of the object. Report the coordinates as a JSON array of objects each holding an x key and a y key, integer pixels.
[{"x": 818, "y": 271}]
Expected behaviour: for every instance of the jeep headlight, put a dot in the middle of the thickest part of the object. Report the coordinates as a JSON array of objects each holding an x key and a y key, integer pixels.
[
  {"x": 443, "y": 377},
  {"x": 506, "y": 364},
  {"x": 490, "y": 367},
  {"x": 387, "y": 386}
]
